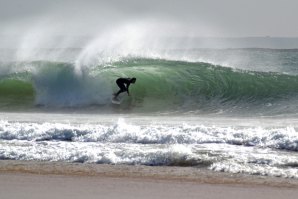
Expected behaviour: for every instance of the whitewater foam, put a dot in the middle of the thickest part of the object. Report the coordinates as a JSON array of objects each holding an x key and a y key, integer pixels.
[
  {"x": 236, "y": 149},
  {"x": 276, "y": 138}
]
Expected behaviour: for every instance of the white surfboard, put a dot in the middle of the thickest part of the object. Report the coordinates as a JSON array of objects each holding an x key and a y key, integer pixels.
[{"x": 116, "y": 100}]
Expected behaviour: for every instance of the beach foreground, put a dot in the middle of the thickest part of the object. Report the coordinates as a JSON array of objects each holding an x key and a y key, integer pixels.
[{"x": 32, "y": 180}]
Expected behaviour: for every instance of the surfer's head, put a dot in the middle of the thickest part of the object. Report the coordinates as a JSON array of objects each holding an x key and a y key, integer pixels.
[{"x": 133, "y": 80}]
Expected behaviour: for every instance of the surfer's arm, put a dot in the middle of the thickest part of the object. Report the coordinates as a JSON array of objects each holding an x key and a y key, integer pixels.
[
  {"x": 127, "y": 86},
  {"x": 127, "y": 91}
]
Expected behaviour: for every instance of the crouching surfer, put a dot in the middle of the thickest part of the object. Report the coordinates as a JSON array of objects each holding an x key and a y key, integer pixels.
[{"x": 123, "y": 84}]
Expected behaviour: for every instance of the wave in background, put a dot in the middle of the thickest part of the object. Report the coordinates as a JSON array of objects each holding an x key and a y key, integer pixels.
[{"x": 162, "y": 85}]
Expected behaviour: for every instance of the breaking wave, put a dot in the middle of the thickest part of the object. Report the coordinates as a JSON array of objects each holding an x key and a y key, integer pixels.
[{"x": 162, "y": 85}]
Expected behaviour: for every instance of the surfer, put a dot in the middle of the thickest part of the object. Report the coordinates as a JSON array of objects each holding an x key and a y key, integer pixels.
[{"x": 123, "y": 84}]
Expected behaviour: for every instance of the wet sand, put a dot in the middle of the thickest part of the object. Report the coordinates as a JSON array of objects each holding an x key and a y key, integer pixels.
[{"x": 25, "y": 179}]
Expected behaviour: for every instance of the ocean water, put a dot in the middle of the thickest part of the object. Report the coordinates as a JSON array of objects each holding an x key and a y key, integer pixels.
[{"x": 227, "y": 110}]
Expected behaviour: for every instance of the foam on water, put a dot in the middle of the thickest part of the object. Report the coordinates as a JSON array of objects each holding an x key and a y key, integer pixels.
[
  {"x": 275, "y": 138},
  {"x": 257, "y": 151}
]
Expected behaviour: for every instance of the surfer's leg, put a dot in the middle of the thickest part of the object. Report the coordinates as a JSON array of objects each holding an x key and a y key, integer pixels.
[
  {"x": 120, "y": 91},
  {"x": 122, "y": 88},
  {"x": 116, "y": 94}
]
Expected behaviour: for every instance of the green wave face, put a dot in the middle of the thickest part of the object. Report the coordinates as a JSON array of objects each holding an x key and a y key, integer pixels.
[
  {"x": 161, "y": 86},
  {"x": 198, "y": 87},
  {"x": 16, "y": 94}
]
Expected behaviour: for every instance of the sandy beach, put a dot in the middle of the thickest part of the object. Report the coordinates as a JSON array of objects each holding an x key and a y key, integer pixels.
[{"x": 32, "y": 180}]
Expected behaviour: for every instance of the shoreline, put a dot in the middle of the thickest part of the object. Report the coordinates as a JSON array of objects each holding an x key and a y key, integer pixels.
[
  {"x": 34, "y": 180},
  {"x": 160, "y": 173}
]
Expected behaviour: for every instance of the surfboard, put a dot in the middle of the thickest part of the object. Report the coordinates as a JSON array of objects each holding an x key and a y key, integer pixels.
[{"x": 115, "y": 100}]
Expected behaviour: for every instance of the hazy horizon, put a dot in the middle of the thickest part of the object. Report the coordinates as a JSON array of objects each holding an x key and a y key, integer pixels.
[
  {"x": 36, "y": 23},
  {"x": 226, "y": 18}
]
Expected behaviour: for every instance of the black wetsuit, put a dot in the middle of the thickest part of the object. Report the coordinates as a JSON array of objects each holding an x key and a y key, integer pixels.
[{"x": 123, "y": 84}]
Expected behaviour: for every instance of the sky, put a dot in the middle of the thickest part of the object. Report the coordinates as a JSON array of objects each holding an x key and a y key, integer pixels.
[{"x": 207, "y": 18}]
